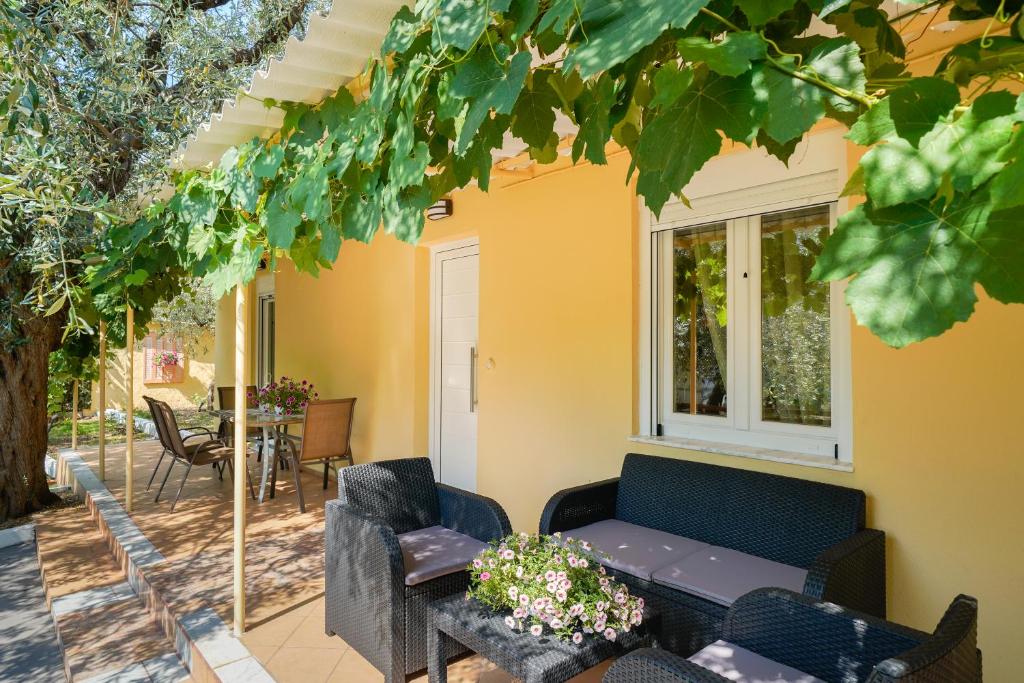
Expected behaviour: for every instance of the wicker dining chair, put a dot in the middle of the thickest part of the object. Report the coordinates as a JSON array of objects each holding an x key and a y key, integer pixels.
[
  {"x": 213, "y": 451},
  {"x": 326, "y": 437}
]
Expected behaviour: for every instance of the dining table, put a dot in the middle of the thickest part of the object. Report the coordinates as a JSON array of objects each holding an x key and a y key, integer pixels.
[{"x": 269, "y": 422}]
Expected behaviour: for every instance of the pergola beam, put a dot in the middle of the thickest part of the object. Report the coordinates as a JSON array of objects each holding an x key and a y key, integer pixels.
[
  {"x": 129, "y": 421},
  {"x": 241, "y": 318},
  {"x": 103, "y": 402}
]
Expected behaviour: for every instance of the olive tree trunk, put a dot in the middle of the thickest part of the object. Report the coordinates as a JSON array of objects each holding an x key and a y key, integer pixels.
[{"x": 24, "y": 374}]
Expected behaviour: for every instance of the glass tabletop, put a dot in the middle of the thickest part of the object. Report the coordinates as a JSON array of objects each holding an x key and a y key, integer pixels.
[{"x": 259, "y": 418}]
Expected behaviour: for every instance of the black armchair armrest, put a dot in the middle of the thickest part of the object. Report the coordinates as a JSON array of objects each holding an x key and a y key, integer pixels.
[
  {"x": 579, "y": 506},
  {"x": 477, "y": 516},
  {"x": 365, "y": 585},
  {"x": 950, "y": 655},
  {"x": 818, "y": 638},
  {"x": 851, "y": 573},
  {"x": 648, "y": 665}
]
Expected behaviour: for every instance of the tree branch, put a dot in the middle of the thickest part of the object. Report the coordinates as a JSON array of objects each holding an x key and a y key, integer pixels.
[{"x": 270, "y": 39}]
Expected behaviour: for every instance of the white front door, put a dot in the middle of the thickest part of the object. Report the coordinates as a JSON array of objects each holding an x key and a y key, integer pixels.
[{"x": 456, "y": 296}]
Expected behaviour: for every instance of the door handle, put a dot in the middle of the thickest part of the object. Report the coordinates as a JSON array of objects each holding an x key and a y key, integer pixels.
[{"x": 472, "y": 379}]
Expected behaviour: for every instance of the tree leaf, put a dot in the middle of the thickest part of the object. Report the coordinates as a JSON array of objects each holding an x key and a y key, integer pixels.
[
  {"x": 915, "y": 266},
  {"x": 837, "y": 60},
  {"x": 615, "y": 30},
  {"x": 729, "y": 57}
]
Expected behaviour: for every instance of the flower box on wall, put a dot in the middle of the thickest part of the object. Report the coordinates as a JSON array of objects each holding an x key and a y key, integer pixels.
[{"x": 163, "y": 360}]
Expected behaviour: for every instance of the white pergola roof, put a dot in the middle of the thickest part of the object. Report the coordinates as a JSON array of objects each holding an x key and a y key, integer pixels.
[{"x": 333, "y": 52}]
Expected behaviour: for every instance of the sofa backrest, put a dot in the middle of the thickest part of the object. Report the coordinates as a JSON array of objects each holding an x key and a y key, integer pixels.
[
  {"x": 400, "y": 492},
  {"x": 779, "y": 518}
]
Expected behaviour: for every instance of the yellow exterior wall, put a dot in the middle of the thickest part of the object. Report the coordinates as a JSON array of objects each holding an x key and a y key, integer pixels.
[
  {"x": 198, "y": 375},
  {"x": 935, "y": 444}
]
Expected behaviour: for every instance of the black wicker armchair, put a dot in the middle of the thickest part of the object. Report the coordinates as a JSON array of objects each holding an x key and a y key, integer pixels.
[
  {"x": 395, "y": 542},
  {"x": 691, "y": 538},
  {"x": 775, "y": 634}
]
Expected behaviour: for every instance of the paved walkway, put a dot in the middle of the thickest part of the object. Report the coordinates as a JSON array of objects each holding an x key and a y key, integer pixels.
[{"x": 30, "y": 651}]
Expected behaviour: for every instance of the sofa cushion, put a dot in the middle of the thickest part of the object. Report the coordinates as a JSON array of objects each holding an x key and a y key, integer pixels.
[
  {"x": 436, "y": 551},
  {"x": 722, "y": 575},
  {"x": 634, "y": 549},
  {"x": 784, "y": 519},
  {"x": 734, "y": 663}
]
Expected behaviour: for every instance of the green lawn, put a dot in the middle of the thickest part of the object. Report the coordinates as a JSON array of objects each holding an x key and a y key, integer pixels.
[{"x": 88, "y": 428}]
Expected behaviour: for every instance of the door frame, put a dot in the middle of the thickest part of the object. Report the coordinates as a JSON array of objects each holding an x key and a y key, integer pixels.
[
  {"x": 439, "y": 253},
  {"x": 265, "y": 345}
]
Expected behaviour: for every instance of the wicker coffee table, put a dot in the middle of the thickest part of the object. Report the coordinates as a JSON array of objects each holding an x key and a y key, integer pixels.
[{"x": 528, "y": 658}]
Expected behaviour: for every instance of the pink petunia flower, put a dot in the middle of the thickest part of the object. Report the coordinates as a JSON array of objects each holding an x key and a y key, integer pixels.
[
  {"x": 484, "y": 576},
  {"x": 577, "y": 637},
  {"x": 536, "y": 630},
  {"x": 609, "y": 634}
]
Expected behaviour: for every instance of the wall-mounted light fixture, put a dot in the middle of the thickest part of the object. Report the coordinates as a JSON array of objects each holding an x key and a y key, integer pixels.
[{"x": 441, "y": 209}]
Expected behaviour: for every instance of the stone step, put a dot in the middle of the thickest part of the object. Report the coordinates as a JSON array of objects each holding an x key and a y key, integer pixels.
[
  {"x": 105, "y": 630},
  {"x": 30, "y": 651}
]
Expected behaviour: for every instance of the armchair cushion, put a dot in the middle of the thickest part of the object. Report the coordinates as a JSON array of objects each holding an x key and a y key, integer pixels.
[
  {"x": 436, "y": 551},
  {"x": 735, "y": 663},
  {"x": 723, "y": 575},
  {"x": 633, "y": 549}
]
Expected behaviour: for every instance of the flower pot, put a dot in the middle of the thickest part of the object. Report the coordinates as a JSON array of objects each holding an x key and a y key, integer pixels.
[
  {"x": 278, "y": 410},
  {"x": 264, "y": 407}
]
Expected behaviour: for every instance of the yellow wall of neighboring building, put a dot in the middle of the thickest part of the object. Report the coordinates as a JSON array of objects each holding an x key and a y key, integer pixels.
[
  {"x": 934, "y": 444},
  {"x": 198, "y": 375}
]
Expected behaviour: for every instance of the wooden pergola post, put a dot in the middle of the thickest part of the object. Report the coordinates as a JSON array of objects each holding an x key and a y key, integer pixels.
[
  {"x": 240, "y": 472},
  {"x": 74, "y": 415},
  {"x": 129, "y": 421},
  {"x": 103, "y": 401}
]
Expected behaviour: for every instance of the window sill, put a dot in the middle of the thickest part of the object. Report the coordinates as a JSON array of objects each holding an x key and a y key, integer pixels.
[{"x": 788, "y": 457}]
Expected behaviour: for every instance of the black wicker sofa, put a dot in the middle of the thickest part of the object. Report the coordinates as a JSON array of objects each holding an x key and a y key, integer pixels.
[
  {"x": 772, "y": 634},
  {"x": 691, "y": 538}
]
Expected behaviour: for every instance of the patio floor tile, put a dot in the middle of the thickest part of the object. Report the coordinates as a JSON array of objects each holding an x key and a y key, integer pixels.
[{"x": 313, "y": 665}]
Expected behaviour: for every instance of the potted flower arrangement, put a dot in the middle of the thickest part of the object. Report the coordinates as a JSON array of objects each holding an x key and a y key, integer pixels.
[
  {"x": 165, "y": 359},
  {"x": 555, "y": 584},
  {"x": 286, "y": 396}
]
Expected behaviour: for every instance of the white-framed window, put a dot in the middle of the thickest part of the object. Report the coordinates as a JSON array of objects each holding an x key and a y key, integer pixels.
[{"x": 741, "y": 347}]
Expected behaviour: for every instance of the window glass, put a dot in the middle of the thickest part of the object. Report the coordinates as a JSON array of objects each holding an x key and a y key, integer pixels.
[
  {"x": 700, "y": 318},
  {"x": 796, "y": 371}
]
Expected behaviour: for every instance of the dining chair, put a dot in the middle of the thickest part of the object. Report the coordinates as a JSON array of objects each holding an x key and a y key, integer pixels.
[
  {"x": 226, "y": 400},
  {"x": 213, "y": 451},
  {"x": 195, "y": 431},
  {"x": 326, "y": 437}
]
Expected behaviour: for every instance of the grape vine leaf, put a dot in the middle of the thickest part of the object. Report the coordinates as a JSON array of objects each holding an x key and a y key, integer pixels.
[
  {"x": 615, "y": 30},
  {"x": 916, "y": 107},
  {"x": 459, "y": 23},
  {"x": 534, "y": 112},
  {"x": 680, "y": 139},
  {"x": 489, "y": 85},
  {"x": 730, "y": 56},
  {"x": 760, "y": 12},
  {"x": 914, "y": 265}
]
